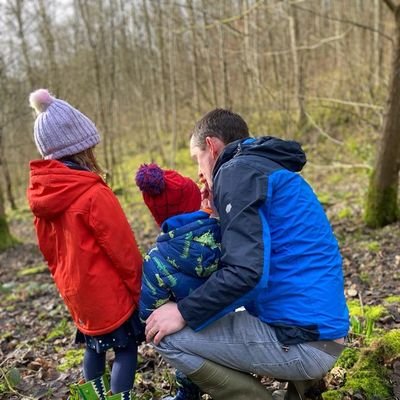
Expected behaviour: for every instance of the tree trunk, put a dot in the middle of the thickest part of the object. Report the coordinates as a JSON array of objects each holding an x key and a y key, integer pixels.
[
  {"x": 382, "y": 207},
  {"x": 195, "y": 62},
  {"x": 6, "y": 239},
  {"x": 376, "y": 51},
  {"x": 172, "y": 86},
  {"x": 210, "y": 70},
  {"x": 297, "y": 67},
  {"x": 226, "y": 101}
]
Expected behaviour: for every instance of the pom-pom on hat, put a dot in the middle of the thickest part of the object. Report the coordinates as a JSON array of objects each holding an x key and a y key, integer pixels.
[
  {"x": 167, "y": 193},
  {"x": 60, "y": 130}
]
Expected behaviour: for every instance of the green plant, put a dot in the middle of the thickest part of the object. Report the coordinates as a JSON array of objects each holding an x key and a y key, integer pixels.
[
  {"x": 62, "y": 329},
  {"x": 392, "y": 299},
  {"x": 71, "y": 359},
  {"x": 373, "y": 247},
  {"x": 363, "y": 318},
  {"x": 36, "y": 269}
]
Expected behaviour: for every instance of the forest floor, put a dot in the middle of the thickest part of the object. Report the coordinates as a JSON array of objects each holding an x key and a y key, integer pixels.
[{"x": 38, "y": 357}]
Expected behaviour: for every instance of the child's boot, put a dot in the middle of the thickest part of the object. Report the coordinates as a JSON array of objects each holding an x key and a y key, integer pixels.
[
  {"x": 120, "y": 396},
  {"x": 95, "y": 389},
  {"x": 187, "y": 390}
]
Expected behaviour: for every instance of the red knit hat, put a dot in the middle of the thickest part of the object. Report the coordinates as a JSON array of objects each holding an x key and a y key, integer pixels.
[{"x": 167, "y": 193}]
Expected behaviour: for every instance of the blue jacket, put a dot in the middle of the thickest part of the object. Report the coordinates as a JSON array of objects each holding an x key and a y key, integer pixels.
[
  {"x": 186, "y": 253},
  {"x": 280, "y": 258}
]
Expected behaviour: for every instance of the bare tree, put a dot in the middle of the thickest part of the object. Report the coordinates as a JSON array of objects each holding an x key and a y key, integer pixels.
[
  {"x": 6, "y": 239},
  {"x": 382, "y": 204}
]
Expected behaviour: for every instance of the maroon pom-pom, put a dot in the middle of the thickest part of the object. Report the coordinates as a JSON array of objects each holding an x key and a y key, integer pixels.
[{"x": 150, "y": 179}]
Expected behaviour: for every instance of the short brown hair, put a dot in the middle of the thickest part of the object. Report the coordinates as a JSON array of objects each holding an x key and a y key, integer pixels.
[{"x": 223, "y": 124}]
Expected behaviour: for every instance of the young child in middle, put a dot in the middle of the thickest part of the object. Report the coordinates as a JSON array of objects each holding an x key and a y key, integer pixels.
[{"x": 186, "y": 252}]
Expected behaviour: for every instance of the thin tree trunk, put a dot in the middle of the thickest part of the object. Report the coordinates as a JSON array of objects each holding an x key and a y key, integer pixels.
[
  {"x": 195, "y": 62},
  {"x": 46, "y": 29},
  {"x": 172, "y": 87},
  {"x": 156, "y": 106},
  {"x": 297, "y": 68},
  {"x": 17, "y": 8},
  {"x": 382, "y": 206},
  {"x": 85, "y": 13},
  {"x": 212, "y": 80},
  {"x": 376, "y": 50},
  {"x": 226, "y": 101}
]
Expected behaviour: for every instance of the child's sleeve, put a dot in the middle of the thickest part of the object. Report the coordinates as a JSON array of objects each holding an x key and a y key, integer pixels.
[
  {"x": 115, "y": 236},
  {"x": 155, "y": 289}
]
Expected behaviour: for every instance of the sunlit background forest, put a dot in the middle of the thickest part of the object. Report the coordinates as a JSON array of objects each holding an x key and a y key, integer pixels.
[
  {"x": 322, "y": 72},
  {"x": 144, "y": 71}
]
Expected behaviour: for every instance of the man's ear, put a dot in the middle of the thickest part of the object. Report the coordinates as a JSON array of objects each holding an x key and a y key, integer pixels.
[{"x": 215, "y": 145}]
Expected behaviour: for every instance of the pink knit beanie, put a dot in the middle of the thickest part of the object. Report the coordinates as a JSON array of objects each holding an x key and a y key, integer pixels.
[{"x": 60, "y": 130}]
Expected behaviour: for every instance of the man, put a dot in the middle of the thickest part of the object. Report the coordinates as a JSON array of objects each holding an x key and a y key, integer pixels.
[{"x": 280, "y": 261}]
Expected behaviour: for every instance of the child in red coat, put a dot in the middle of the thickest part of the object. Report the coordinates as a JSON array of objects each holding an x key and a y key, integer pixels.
[{"x": 87, "y": 242}]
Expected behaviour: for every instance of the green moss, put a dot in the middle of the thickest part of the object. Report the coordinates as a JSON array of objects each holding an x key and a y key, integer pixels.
[
  {"x": 62, "y": 329},
  {"x": 373, "y": 247},
  {"x": 71, "y": 359},
  {"x": 332, "y": 395},
  {"x": 365, "y": 278},
  {"x": 355, "y": 308},
  {"x": 369, "y": 376},
  {"x": 374, "y": 312},
  {"x": 391, "y": 343},
  {"x": 381, "y": 206},
  {"x": 37, "y": 269},
  {"x": 374, "y": 387},
  {"x": 348, "y": 358},
  {"x": 324, "y": 198},
  {"x": 392, "y": 299},
  {"x": 344, "y": 213},
  {"x": 366, "y": 371}
]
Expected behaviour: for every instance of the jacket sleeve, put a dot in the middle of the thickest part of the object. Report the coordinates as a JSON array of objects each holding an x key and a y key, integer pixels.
[
  {"x": 115, "y": 236},
  {"x": 155, "y": 291},
  {"x": 240, "y": 194}
]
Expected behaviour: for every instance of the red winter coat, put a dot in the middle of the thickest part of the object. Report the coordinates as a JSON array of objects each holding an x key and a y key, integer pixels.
[{"x": 88, "y": 244}]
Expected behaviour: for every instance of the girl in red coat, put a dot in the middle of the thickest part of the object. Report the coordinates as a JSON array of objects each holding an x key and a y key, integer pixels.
[{"x": 87, "y": 242}]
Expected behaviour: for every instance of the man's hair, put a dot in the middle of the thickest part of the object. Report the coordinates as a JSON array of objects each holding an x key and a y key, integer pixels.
[{"x": 222, "y": 124}]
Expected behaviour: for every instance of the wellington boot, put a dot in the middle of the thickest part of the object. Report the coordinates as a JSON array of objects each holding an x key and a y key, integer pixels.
[
  {"x": 120, "y": 396},
  {"x": 296, "y": 389},
  {"x": 224, "y": 383},
  {"x": 95, "y": 389},
  {"x": 187, "y": 390}
]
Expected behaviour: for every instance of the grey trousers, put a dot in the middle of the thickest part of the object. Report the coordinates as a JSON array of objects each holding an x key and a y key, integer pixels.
[{"x": 241, "y": 341}]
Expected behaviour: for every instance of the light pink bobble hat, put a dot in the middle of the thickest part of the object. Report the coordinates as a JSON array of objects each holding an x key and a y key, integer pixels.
[{"x": 60, "y": 130}]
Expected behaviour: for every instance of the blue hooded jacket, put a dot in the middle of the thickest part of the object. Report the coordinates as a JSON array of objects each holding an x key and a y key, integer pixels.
[
  {"x": 186, "y": 253},
  {"x": 280, "y": 258}
]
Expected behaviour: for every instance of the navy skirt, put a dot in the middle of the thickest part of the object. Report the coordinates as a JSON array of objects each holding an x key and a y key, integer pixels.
[{"x": 120, "y": 337}]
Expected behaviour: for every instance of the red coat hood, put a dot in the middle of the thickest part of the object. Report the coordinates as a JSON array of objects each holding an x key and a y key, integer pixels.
[{"x": 53, "y": 187}]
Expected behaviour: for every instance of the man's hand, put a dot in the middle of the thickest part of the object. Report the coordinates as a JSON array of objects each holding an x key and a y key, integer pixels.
[
  {"x": 164, "y": 321},
  {"x": 206, "y": 194}
]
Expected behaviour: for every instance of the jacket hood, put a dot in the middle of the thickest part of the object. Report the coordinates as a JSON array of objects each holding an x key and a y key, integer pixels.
[
  {"x": 286, "y": 153},
  {"x": 53, "y": 187},
  {"x": 191, "y": 238}
]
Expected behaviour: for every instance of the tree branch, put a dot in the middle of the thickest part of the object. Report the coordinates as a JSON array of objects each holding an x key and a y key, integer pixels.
[
  {"x": 390, "y": 4},
  {"x": 321, "y": 131},
  {"x": 346, "y": 21},
  {"x": 313, "y": 46},
  {"x": 346, "y": 102}
]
